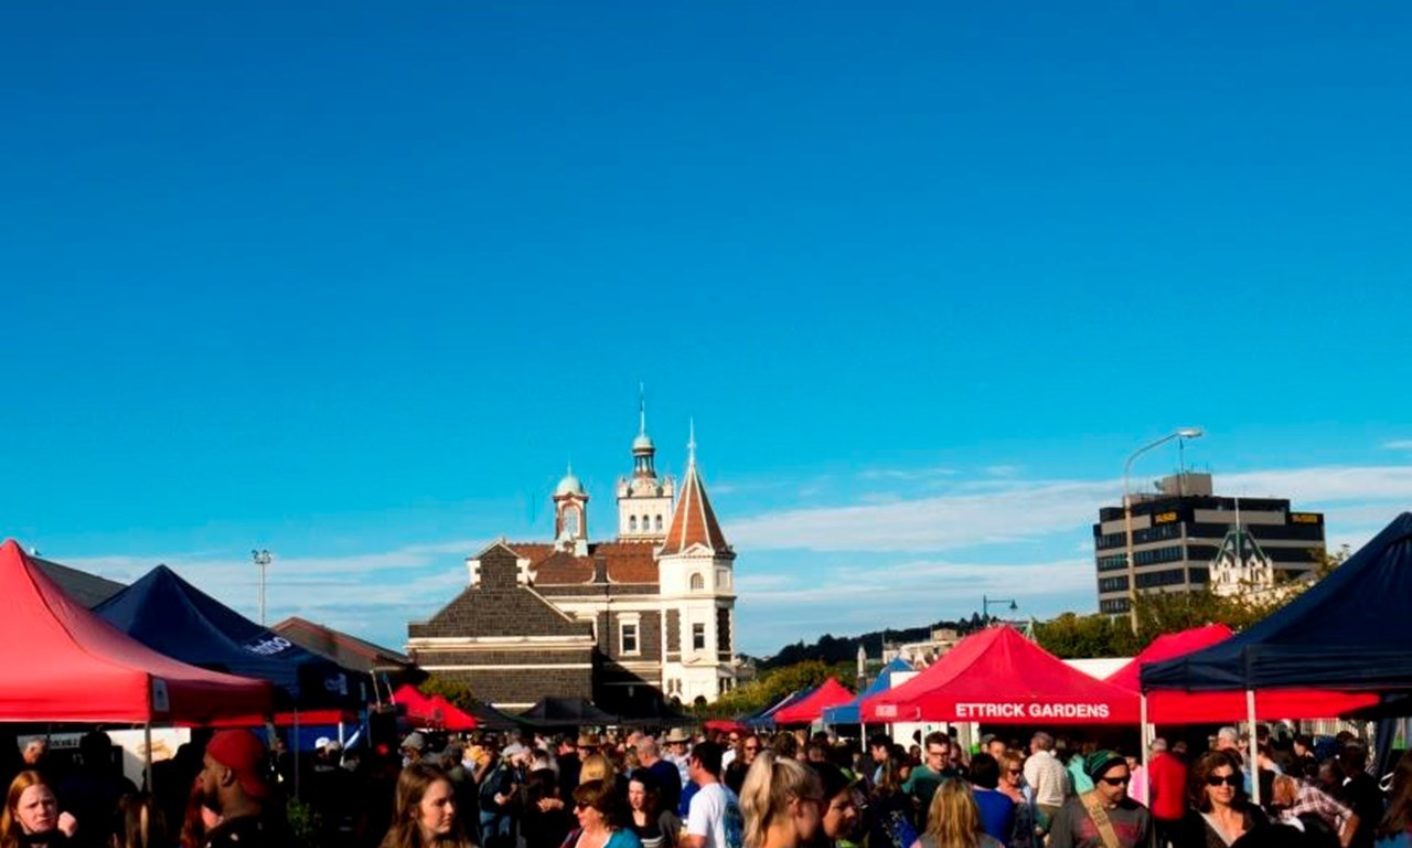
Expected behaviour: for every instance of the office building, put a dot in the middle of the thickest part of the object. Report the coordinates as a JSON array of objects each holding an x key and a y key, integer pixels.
[{"x": 1180, "y": 531}]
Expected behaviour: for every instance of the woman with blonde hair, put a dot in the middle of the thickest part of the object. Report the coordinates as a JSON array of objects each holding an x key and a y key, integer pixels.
[
  {"x": 781, "y": 801},
  {"x": 598, "y": 767},
  {"x": 425, "y": 813},
  {"x": 954, "y": 820}
]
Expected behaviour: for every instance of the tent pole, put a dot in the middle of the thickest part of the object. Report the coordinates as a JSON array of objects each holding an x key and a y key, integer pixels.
[
  {"x": 147, "y": 765},
  {"x": 1253, "y": 751},
  {"x": 295, "y": 748},
  {"x": 1143, "y": 743}
]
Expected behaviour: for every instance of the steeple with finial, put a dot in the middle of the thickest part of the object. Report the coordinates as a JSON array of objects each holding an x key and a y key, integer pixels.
[
  {"x": 643, "y": 450},
  {"x": 644, "y": 499}
]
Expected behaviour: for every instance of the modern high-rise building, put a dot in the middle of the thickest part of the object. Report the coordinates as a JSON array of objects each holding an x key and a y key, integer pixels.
[{"x": 1179, "y": 531}]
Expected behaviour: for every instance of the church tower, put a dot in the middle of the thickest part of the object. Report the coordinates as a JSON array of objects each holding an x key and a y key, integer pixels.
[
  {"x": 571, "y": 515},
  {"x": 696, "y": 567},
  {"x": 644, "y": 499}
]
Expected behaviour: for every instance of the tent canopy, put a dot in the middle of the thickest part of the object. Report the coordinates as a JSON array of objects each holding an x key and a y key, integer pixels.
[
  {"x": 1173, "y": 707},
  {"x": 566, "y": 712},
  {"x": 1347, "y": 632},
  {"x": 811, "y": 709},
  {"x": 168, "y": 614},
  {"x": 761, "y": 719},
  {"x": 997, "y": 676},
  {"x": 432, "y": 711},
  {"x": 63, "y": 663},
  {"x": 848, "y": 713}
]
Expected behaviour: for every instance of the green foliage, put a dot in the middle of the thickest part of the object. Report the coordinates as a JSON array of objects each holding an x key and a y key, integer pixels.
[
  {"x": 1072, "y": 635},
  {"x": 841, "y": 649},
  {"x": 303, "y": 823},
  {"x": 774, "y": 684},
  {"x": 1099, "y": 635},
  {"x": 452, "y": 691}
]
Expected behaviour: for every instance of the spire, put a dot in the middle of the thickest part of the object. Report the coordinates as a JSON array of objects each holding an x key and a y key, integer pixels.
[
  {"x": 694, "y": 521},
  {"x": 691, "y": 444},
  {"x": 642, "y": 447}
]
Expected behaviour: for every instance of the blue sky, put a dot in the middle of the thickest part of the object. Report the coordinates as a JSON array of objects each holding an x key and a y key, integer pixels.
[{"x": 354, "y": 282}]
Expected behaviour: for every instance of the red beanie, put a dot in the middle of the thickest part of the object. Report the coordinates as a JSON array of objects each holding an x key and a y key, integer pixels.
[{"x": 243, "y": 754}]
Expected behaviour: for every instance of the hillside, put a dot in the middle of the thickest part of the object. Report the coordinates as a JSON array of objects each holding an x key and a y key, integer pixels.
[{"x": 832, "y": 649}]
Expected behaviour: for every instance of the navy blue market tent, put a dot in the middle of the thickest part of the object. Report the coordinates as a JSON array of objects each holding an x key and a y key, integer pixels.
[
  {"x": 173, "y": 617},
  {"x": 1349, "y": 632},
  {"x": 762, "y": 719},
  {"x": 848, "y": 713}
]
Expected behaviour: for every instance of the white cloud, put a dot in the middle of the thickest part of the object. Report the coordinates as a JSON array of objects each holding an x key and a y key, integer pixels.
[
  {"x": 904, "y": 594},
  {"x": 905, "y": 473},
  {"x": 933, "y": 523},
  {"x": 1324, "y": 484},
  {"x": 1398, "y": 445},
  {"x": 372, "y": 595},
  {"x": 994, "y": 511}
]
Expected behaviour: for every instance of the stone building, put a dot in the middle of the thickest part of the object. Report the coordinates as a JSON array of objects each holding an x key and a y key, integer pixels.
[{"x": 647, "y": 616}]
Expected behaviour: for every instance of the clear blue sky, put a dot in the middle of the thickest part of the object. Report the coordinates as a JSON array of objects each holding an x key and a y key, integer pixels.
[{"x": 353, "y": 282}]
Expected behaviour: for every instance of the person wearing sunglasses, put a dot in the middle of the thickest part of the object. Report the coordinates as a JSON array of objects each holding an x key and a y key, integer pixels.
[
  {"x": 596, "y": 808},
  {"x": 1223, "y": 816},
  {"x": 1104, "y": 817}
]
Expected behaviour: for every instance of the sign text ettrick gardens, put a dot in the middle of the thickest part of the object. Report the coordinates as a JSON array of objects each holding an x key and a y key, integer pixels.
[{"x": 982, "y": 711}]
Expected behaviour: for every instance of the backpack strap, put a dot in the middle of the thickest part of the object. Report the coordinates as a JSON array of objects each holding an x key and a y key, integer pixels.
[{"x": 1094, "y": 807}]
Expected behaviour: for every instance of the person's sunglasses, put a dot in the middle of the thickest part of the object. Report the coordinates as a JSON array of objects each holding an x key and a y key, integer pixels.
[
  {"x": 580, "y": 805},
  {"x": 1116, "y": 781},
  {"x": 1229, "y": 780},
  {"x": 1015, "y": 772}
]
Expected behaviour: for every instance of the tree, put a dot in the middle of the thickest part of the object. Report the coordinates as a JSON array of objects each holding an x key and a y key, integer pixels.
[
  {"x": 457, "y": 693},
  {"x": 773, "y": 685},
  {"x": 1100, "y": 635}
]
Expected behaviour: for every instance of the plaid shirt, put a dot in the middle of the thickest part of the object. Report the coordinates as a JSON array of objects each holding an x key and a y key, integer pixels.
[{"x": 1311, "y": 799}]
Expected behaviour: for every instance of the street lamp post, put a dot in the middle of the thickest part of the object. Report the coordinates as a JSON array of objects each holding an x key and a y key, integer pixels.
[
  {"x": 1182, "y": 435},
  {"x": 987, "y": 601},
  {"x": 262, "y": 560}
]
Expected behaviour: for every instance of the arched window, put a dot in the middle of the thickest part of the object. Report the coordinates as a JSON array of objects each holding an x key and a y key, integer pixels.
[
  {"x": 659, "y": 524},
  {"x": 632, "y": 524},
  {"x": 697, "y": 583},
  {"x": 646, "y": 524}
]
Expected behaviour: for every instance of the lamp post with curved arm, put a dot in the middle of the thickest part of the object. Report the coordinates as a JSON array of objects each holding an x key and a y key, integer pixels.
[{"x": 1184, "y": 433}]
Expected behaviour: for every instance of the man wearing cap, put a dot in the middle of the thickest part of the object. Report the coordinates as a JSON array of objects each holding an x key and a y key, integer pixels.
[
  {"x": 412, "y": 748},
  {"x": 1104, "y": 817},
  {"x": 232, "y": 785}
]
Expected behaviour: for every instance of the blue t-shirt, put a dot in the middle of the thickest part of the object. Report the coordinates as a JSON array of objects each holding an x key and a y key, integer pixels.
[{"x": 997, "y": 812}]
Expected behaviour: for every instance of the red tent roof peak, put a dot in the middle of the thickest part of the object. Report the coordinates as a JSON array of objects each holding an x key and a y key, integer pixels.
[
  {"x": 997, "y": 676},
  {"x": 67, "y": 664},
  {"x": 810, "y": 709}
]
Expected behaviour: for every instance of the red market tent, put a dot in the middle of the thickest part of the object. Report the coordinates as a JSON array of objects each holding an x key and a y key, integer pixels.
[
  {"x": 724, "y": 725},
  {"x": 452, "y": 716},
  {"x": 63, "y": 663},
  {"x": 997, "y": 676},
  {"x": 431, "y": 711},
  {"x": 811, "y": 709},
  {"x": 1168, "y": 706}
]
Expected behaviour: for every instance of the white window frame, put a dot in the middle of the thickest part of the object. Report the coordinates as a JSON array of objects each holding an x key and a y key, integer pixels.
[
  {"x": 635, "y": 622},
  {"x": 695, "y": 628}
]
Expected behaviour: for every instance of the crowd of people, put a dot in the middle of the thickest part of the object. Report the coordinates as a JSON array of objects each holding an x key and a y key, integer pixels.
[{"x": 736, "y": 789}]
